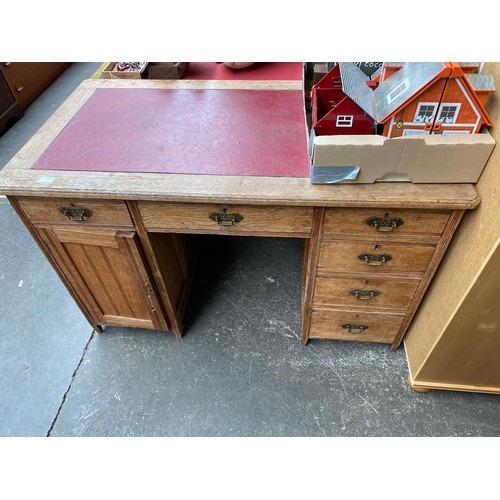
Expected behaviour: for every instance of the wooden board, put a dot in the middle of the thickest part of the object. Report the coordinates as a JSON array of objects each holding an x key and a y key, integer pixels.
[
  {"x": 447, "y": 300},
  {"x": 468, "y": 354}
]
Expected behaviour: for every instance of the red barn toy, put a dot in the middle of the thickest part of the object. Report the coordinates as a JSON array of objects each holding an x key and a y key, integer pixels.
[
  {"x": 334, "y": 112},
  {"x": 402, "y": 99}
]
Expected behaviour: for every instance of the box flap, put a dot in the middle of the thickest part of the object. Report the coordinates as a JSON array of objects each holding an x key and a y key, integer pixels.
[
  {"x": 338, "y": 150},
  {"x": 420, "y": 159}
]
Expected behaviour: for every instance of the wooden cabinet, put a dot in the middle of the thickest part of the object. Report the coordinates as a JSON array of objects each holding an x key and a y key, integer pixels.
[
  {"x": 373, "y": 268},
  {"x": 108, "y": 271},
  {"x": 124, "y": 242},
  {"x": 27, "y": 80},
  {"x": 10, "y": 109},
  {"x": 97, "y": 252}
]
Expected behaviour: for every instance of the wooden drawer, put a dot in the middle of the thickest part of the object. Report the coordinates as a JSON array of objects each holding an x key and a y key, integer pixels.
[
  {"x": 29, "y": 81},
  {"x": 362, "y": 221},
  {"x": 99, "y": 213},
  {"x": 240, "y": 219},
  {"x": 364, "y": 293},
  {"x": 355, "y": 325},
  {"x": 381, "y": 257},
  {"x": 9, "y": 69}
]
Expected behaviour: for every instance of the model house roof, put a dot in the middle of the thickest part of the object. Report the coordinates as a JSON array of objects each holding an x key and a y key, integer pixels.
[
  {"x": 354, "y": 86},
  {"x": 405, "y": 82},
  {"x": 481, "y": 82},
  {"x": 402, "y": 85}
]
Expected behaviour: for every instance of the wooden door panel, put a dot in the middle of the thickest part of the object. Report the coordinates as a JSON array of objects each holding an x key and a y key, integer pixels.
[
  {"x": 103, "y": 270},
  {"x": 109, "y": 267}
]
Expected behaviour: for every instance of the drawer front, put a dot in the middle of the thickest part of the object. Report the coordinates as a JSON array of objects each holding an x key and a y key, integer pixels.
[
  {"x": 32, "y": 79},
  {"x": 387, "y": 222},
  {"x": 366, "y": 256},
  {"x": 74, "y": 212},
  {"x": 355, "y": 325},
  {"x": 211, "y": 218},
  {"x": 9, "y": 69},
  {"x": 364, "y": 293}
]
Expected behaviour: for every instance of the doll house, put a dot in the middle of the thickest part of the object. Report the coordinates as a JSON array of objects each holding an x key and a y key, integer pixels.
[
  {"x": 431, "y": 98},
  {"x": 420, "y": 98},
  {"x": 334, "y": 111}
]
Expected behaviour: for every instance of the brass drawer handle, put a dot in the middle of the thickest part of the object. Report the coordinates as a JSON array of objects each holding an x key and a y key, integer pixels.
[
  {"x": 7, "y": 64},
  {"x": 364, "y": 294},
  {"x": 354, "y": 328},
  {"x": 384, "y": 225},
  {"x": 76, "y": 214},
  {"x": 375, "y": 260},
  {"x": 19, "y": 89},
  {"x": 226, "y": 218}
]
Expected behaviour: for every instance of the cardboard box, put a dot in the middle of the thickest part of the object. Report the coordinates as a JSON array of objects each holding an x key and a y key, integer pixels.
[
  {"x": 109, "y": 72},
  {"x": 166, "y": 70},
  {"x": 458, "y": 158}
]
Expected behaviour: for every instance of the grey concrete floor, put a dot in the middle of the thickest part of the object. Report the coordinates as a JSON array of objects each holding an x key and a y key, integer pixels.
[{"x": 240, "y": 369}]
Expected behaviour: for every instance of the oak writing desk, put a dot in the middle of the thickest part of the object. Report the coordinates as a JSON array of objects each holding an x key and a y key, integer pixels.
[{"x": 117, "y": 183}]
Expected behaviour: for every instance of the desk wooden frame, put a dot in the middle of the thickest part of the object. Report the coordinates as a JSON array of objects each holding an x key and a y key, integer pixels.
[{"x": 26, "y": 187}]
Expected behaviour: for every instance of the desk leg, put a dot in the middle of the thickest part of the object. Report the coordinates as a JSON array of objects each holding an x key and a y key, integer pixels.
[
  {"x": 170, "y": 259},
  {"x": 310, "y": 266}
]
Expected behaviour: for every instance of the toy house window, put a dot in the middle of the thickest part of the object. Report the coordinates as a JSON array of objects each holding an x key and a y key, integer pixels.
[
  {"x": 345, "y": 120},
  {"x": 425, "y": 112},
  {"x": 398, "y": 91},
  {"x": 337, "y": 83},
  {"x": 448, "y": 113},
  {"x": 408, "y": 132},
  {"x": 455, "y": 132}
]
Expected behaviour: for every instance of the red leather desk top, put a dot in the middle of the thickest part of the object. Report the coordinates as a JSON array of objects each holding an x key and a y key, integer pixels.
[{"x": 225, "y": 132}]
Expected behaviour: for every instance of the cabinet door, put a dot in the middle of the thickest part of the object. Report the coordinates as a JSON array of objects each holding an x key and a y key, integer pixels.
[{"x": 108, "y": 271}]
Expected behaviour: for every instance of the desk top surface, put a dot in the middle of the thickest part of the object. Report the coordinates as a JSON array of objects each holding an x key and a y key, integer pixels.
[
  {"x": 20, "y": 178},
  {"x": 185, "y": 131}
]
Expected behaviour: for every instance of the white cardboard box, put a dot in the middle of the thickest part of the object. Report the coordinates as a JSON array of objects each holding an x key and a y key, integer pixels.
[{"x": 458, "y": 158}]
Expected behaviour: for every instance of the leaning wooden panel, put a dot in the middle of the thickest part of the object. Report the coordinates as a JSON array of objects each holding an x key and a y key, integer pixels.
[
  {"x": 468, "y": 350},
  {"x": 470, "y": 249}
]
